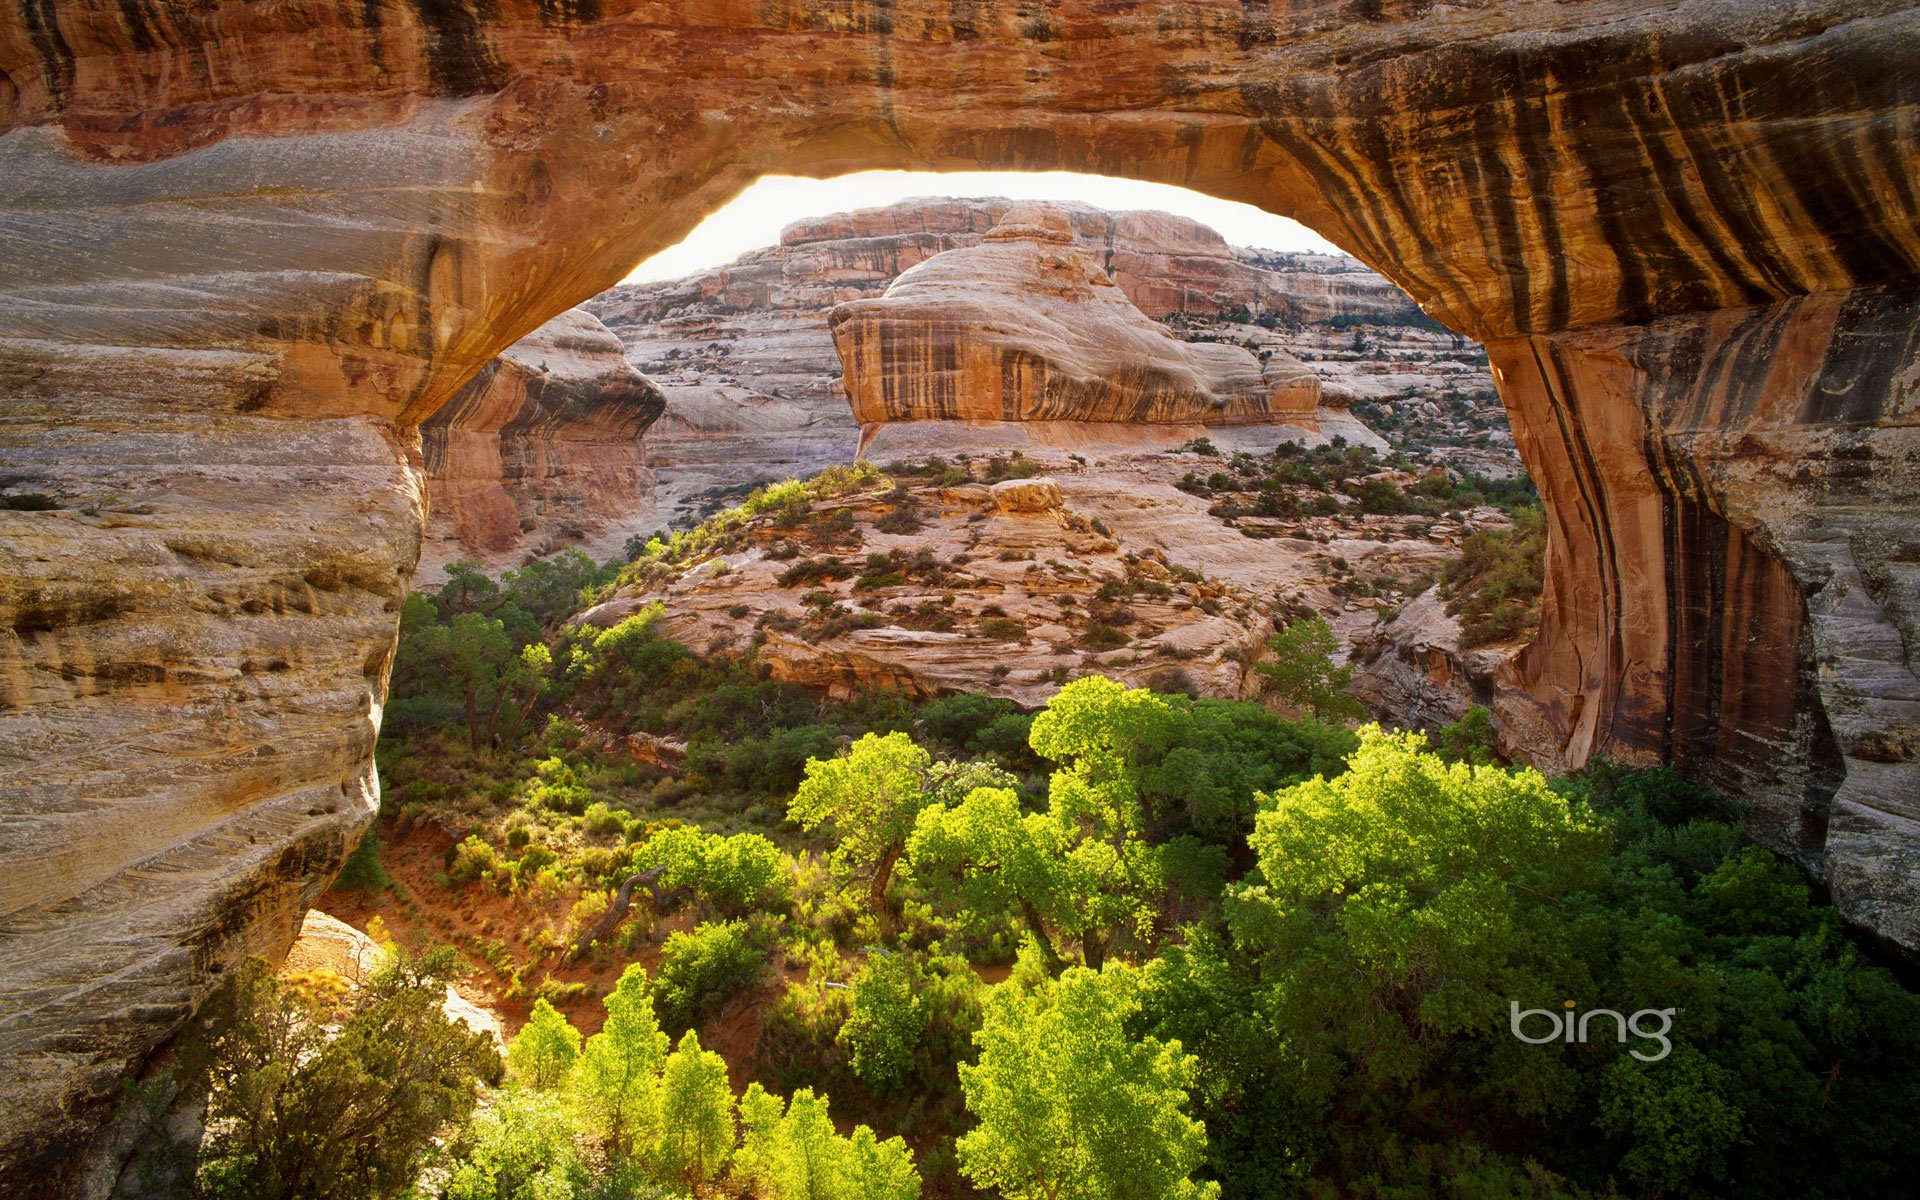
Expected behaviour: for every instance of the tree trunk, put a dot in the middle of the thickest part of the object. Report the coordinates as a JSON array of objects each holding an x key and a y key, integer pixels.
[
  {"x": 877, "y": 891},
  {"x": 610, "y": 919},
  {"x": 493, "y": 717},
  {"x": 1054, "y": 965},
  {"x": 1094, "y": 947}
]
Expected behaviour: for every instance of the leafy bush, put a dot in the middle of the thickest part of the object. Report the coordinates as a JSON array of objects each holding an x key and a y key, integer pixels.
[
  {"x": 1494, "y": 586},
  {"x": 885, "y": 1023},
  {"x": 701, "y": 969},
  {"x": 736, "y": 874},
  {"x": 316, "y": 1092},
  {"x": 815, "y": 570}
]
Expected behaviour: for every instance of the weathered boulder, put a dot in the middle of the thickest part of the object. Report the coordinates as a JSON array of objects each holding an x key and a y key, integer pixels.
[
  {"x": 1036, "y": 495},
  {"x": 541, "y": 449},
  {"x": 250, "y": 247},
  {"x": 1026, "y": 326},
  {"x": 1412, "y": 673}
]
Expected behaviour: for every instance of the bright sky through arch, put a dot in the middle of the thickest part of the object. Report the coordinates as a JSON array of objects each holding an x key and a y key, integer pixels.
[{"x": 755, "y": 217}]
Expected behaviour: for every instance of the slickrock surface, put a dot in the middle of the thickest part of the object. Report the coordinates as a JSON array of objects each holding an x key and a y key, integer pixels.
[
  {"x": 326, "y": 943},
  {"x": 1015, "y": 587},
  {"x": 249, "y": 247},
  {"x": 541, "y": 449},
  {"x": 1028, "y": 327}
]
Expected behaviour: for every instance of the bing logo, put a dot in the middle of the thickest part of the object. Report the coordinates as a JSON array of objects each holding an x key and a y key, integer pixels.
[{"x": 1564, "y": 1027}]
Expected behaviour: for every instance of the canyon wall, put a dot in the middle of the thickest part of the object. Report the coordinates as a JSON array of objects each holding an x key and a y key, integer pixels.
[
  {"x": 753, "y": 379},
  {"x": 250, "y": 247},
  {"x": 541, "y": 449}
]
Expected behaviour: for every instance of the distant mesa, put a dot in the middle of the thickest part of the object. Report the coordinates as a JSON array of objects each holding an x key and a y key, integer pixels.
[{"x": 1028, "y": 326}]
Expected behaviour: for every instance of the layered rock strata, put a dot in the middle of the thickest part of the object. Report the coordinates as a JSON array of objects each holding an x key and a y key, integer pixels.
[
  {"x": 542, "y": 448},
  {"x": 753, "y": 381},
  {"x": 1027, "y": 327},
  {"x": 250, "y": 247}
]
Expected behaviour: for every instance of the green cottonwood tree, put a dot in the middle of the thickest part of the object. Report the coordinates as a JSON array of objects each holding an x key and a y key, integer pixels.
[
  {"x": 618, "y": 1078},
  {"x": 1070, "y": 1107},
  {"x": 541, "y": 1056},
  {"x": 1302, "y": 673},
  {"x": 1082, "y": 869},
  {"x": 696, "y": 1112},
  {"x": 796, "y": 1155},
  {"x": 870, "y": 796}
]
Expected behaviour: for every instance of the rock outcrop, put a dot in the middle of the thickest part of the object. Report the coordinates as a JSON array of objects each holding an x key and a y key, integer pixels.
[
  {"x": 1412, "y": 673},
  {"x": 250, "y": 247},
  {"x": 541, "y": 449},
  {"x": 753, "y": 379},
  {"x": 1026, "y": 326},
  {"x": 1014, "y": 587}
]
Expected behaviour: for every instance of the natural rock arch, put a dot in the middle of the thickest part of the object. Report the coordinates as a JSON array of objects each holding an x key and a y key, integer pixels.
[{"x": 250, "y": 247}]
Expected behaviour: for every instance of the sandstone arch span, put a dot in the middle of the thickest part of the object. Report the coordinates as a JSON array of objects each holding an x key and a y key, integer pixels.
[{"x": 248, "y": 247}]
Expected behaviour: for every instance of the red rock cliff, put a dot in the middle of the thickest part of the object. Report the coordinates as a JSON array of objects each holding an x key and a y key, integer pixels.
[
  {"x": 1026, "y": 326},
  {"x": 541, "y": 449}
]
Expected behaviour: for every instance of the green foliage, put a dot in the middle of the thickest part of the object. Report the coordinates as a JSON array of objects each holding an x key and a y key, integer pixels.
[
  {"x": 794, "y": 1153},
  {"x": 1471, "y": 739},
  {"x": 1301, "y": 671},
  {"x": 886, "y": 1021},
  {"x": 362, "y": 872},
  {"x": 520, "y": 1148},
  {"x": 1070, "y": 1107},
  {"x": 541, "y": 1056},
  {"x": 697, "y": 1112},
  {"x": 736, "y": 875},
  {"x": 701, "y": 968},
  {"x": 617, "y": 1075},
  {"x": 870, "y": 796},
  {"x": 1494, "y": 586},
  {"x": 310, "y": 1095}
]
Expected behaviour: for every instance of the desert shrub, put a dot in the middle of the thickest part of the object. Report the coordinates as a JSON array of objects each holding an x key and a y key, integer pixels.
[
  {"x": 1104, "y": 637},
  {"x": 1002, "y": 629},
  {"x": 701, "y": 969},
  {"x": 313, "y": 1091},
  {"x": 1494, "y": 586},
  {"x": 815, "y": 570}
]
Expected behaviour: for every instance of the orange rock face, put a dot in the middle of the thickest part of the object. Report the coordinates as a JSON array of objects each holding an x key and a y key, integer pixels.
[
  {"x": 540, "y": 450},
  {"x": 249, "y": 247},
  {"x": 1028, "y": 327}
]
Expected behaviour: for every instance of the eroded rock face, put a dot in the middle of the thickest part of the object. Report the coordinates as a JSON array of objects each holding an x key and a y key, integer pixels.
[
  {"x": 1028, "y": 327},
  {"x": 753, "y": 380},
  {"x": 1757, "y": 468},
  {"x": 541, "y": 449},
  {"x": 1413, "y": 674},
  {"x": 1684, "y": 228}
]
